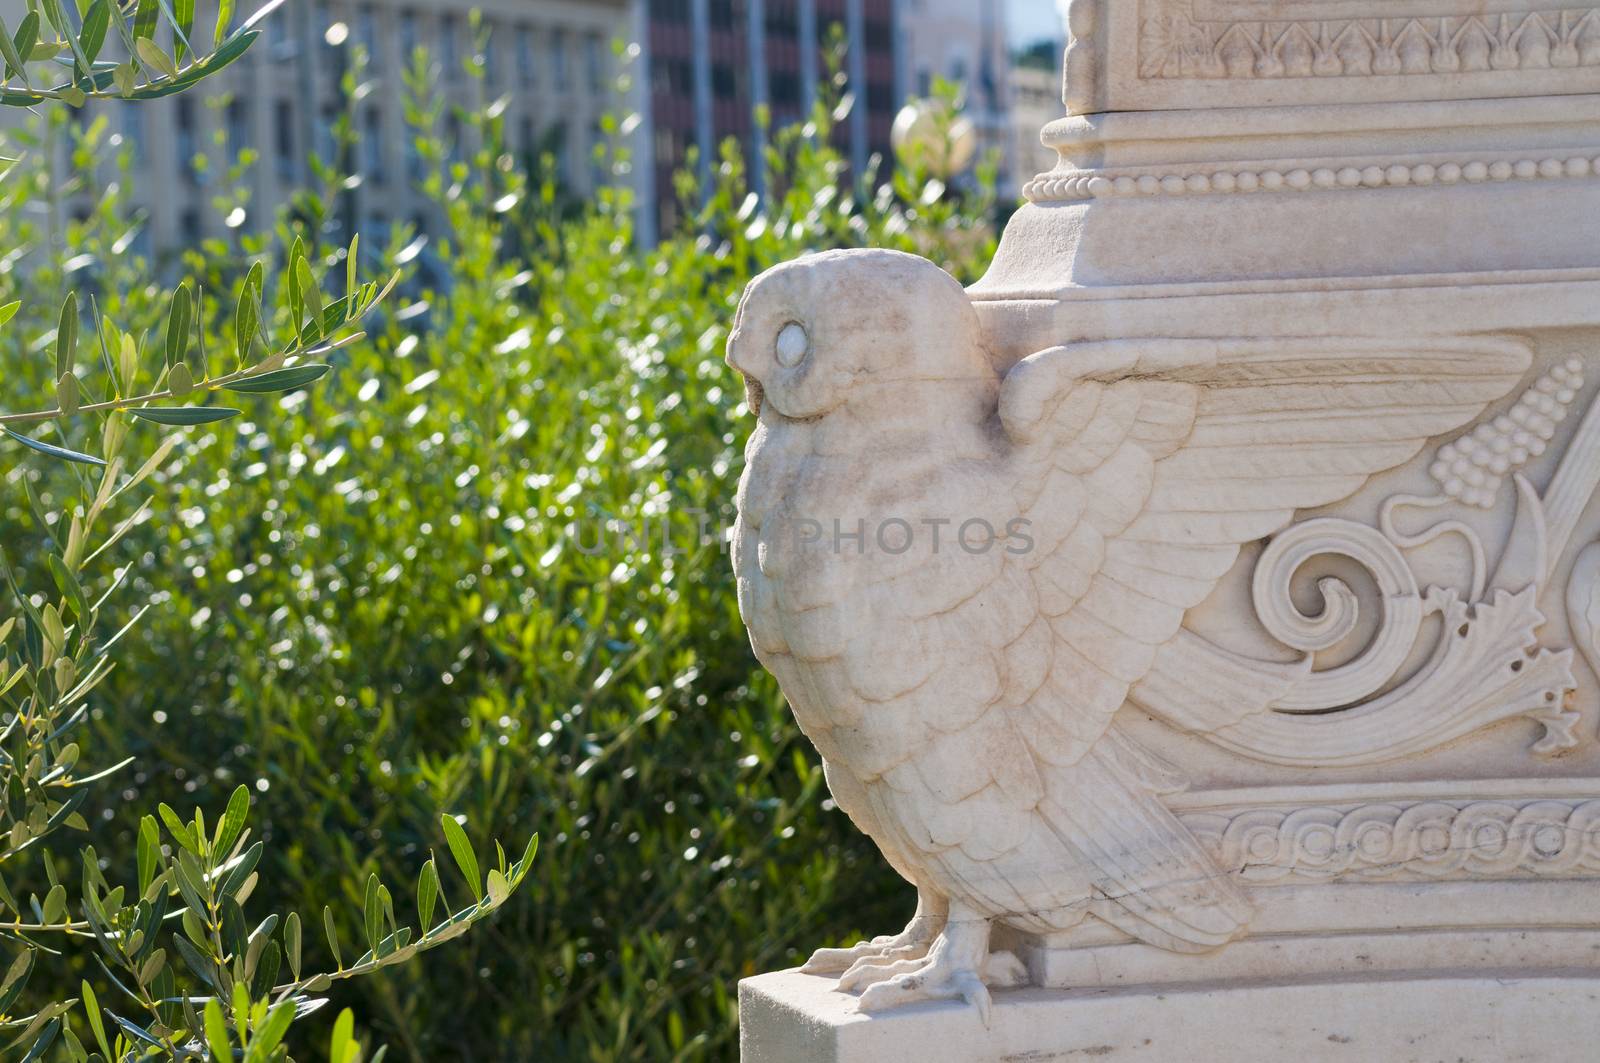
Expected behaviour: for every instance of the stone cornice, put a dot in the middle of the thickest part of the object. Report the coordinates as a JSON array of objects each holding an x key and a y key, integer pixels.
[{"x": 1176, "y": 54}]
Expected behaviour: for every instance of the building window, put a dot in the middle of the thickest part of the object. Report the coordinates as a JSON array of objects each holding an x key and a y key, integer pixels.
[
  {"x": 416, "y": 171},
  {"x": 410, "y": 37},
  {"x": 367, "y": 35},
  {"x": 283, "y": 137},
  {"x": 449, "y": 46},
  {"x": 279, "y": 38},
  {"x": 597, "y": 160},
  {"x": 674, "y": 77},
  {"x": 530, "y": 137},
  {"x": 558, "y": 60},
  {"x": 186, "y": 144},
  {"x": 372, "y": 147},
  {"x": 785, "y": 89},
  {"x": 327, "y": 146},
  {"x": 456, "y": 137},
  {"x": 558, "y": 147},
  {"x": 525, "y": 61},
  {"x": 133, "y": 130},
  {"x": 239, "y": 136},
  {"x": 491, "y": 56},
  {"x": 782, "y": 20},
  {"x": 323, "y": 26},
  {"x": 189, "y": 227},
  {"x": 594, "y": 55}
]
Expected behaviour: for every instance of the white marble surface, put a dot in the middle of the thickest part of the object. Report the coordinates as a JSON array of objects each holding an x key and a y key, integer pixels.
[
  {"x": 1484, "y": 1017},
  {"x": 1291, "y": 370}
]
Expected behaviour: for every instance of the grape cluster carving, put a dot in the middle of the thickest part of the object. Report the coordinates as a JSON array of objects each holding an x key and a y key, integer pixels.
[{"x": 1472, "y": 468}]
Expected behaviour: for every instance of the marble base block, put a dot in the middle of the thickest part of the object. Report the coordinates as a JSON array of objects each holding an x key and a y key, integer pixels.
[{"x": 1463, "y": 1017}]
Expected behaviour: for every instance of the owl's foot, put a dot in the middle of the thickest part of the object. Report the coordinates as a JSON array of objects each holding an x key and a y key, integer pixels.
[
  {"x": 911, "y": 943},
  {"x": 959, "y": 966}
]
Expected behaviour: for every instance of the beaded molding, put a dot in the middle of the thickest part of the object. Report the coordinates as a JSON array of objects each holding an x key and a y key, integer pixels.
[{"x": 1098, "y": 184}]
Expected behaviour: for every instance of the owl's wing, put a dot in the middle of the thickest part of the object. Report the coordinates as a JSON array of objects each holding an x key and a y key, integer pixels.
[
  {"x": 1144, "y": 465},
  {"x": 1142, "y": 469}
]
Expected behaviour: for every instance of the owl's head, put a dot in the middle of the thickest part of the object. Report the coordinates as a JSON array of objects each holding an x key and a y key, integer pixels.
[{"x": 811, "y": 333}]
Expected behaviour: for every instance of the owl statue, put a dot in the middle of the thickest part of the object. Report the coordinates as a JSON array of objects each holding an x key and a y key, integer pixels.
[{"x": 957, "y": 570}]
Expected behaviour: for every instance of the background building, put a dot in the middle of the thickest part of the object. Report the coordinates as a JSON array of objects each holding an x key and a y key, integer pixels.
[
  {"x": 714, "y": 64},
  {"x": 553, "y": 59},
  {"x": 704, "y": 70},
  {"x": 1035, "y": 102},
  {"x": 964, "y": 41}
]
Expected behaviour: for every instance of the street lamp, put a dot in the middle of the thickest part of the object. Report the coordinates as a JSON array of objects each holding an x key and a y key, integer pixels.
[{"x": 938, "y": 135}]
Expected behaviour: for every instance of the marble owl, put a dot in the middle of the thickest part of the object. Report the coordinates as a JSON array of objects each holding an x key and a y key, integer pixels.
[{"x": 958, "y": 570}]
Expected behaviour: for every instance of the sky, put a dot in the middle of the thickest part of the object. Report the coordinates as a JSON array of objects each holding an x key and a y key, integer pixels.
[{"x": 1031, "y": 20}]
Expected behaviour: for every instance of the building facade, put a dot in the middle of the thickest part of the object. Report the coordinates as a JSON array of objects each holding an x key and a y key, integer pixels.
[
  {"x": 551, "y": 59},
  {"x": 715, "y": 65},
  {"x": 703, "y": 72}
]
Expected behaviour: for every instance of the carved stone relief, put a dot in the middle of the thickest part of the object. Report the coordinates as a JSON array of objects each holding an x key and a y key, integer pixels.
[
  {"x": 965, "y": 703},
  {"x": 1192, "y": 53},
  {"x": 1280, "y": 657},
  {"x": 1231, "y": 39},
  {"x": 1419, "y": 841}
]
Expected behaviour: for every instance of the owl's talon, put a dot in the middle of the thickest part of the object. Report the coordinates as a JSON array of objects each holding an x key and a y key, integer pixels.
[
  {"x": 975, "y": 993},
  {"x": 832, "y": 961},
  {"x": 1005, "y": 971},
  {"x": 958, "y": 967},
  {"x": 869, "y": 971},
  {"x": 888, "y": 957},
  {"x": 874, "y": 953},
  {"x": 925, "y": 982},
  {"x": 911, "y": 943}
]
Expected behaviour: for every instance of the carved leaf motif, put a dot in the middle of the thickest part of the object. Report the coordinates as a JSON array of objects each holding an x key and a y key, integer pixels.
[
  {"x": 1174, "y": 43},
  {"x": 1583, "y": 605},
  {"x": 1481, "y": 673}
]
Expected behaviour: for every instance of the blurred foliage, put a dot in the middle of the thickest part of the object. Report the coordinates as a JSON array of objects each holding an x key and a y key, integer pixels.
[
  {"x": 57, "y": 55},
  {"x": 217, "y": 994},
  {"x": 479, "y": 567}
]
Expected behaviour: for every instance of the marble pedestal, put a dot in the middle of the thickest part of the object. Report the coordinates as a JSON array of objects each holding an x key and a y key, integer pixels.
[
  {"x": 1286, "y": 744},
  {"x": 1483, "y": 1016}
]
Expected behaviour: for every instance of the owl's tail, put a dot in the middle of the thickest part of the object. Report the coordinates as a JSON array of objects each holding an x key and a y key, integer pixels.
[{"x": 1153, "y": 879}]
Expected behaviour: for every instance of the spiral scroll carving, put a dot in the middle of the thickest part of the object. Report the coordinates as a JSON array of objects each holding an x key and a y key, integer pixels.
[{"x": 1403, "y": 609}]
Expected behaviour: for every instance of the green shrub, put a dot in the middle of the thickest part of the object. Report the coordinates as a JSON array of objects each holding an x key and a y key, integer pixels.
[
  {"x": 223, "y": 989},
  {"x": 387, "y": 597}
]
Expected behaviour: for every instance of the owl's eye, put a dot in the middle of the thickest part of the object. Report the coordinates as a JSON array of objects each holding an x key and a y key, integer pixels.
[{"x": 792, "y": 345}]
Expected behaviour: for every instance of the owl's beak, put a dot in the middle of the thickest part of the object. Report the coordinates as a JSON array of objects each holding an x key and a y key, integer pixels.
[{"x": 754, "y": 394}]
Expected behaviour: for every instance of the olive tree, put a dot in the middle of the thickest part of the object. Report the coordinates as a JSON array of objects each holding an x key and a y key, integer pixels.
[{"x": 177, "y": 968}]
